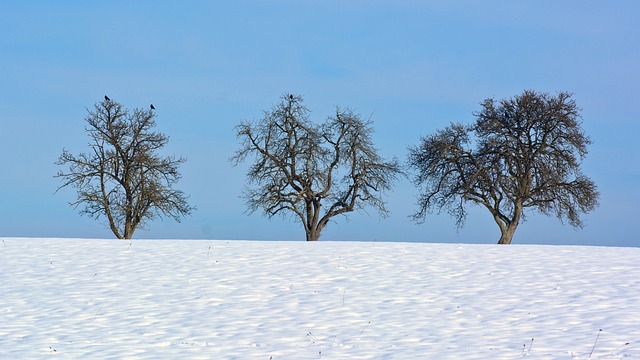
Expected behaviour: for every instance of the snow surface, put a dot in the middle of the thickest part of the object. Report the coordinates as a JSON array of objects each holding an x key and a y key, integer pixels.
[{"x": 170, "y": 299}]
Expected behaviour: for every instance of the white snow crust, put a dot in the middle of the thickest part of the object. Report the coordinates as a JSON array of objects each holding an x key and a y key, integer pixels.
[{"x": 179, "y": 299}]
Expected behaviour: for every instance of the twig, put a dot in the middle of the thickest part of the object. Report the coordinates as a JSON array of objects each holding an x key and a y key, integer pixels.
[
  {"x": 618, "y": 348},
  {"x": 365, "y": 328},
  {"x": 524, "y": 348},
  {"x": 312, "y": 338},
  {"x": 97, "y": 312},
  {"x": 594, "y": 344}
]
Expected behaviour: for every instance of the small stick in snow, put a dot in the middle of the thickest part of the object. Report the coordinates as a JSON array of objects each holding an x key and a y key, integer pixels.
[
  {"x": 365, "y": 328},
  {"x": 97, "y": 312},
  {"x": 618, "y": 348},
  {"x": 594, "y": 344},
  {"x": 312, "y": 338},
  {"x": 530, "y": 346}
]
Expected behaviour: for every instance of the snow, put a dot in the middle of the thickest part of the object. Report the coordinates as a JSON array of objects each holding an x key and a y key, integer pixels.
[{"x": 152, "y": 299}]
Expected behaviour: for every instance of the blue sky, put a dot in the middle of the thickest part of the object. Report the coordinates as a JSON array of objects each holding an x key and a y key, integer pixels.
[{"x": 413, "y": 66}]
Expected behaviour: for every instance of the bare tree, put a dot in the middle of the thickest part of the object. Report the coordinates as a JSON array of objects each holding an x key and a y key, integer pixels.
[
  {"x": 312, "y": 172},
  {"x": 521, "y": 153},
  {"x": 122, "y": 177}
]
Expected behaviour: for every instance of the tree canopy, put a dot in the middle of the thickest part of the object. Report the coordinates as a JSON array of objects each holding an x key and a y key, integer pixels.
[
  {"x": 521, "y": 153},
  {"x": 313, "y": 172},
  {"x": 122, "y": 177}
]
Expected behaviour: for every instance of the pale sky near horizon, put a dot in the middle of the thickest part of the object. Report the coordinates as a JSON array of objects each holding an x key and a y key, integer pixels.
[{"x": 413, "y": 66}]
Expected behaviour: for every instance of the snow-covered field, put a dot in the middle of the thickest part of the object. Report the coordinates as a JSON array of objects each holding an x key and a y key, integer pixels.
[{"x": 81, "y": 299}]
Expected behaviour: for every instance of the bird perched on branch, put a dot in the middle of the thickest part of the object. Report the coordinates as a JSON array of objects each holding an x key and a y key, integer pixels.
[
  {"x": 152, "y": 107},
  {"x": 107, "y": 98}
]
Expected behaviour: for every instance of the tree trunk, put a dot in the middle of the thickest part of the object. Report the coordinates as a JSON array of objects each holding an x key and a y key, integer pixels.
[
  {"x": 313, "y": 235},
  {"x": 313, "y": 232},
  {"x": 313, "y": 226},
  {"x": 508, "y": 228},
  {"x": 507, "y": 233},
  {"x": 508, "y": 225},
  {"x": 129, "y": 229}
]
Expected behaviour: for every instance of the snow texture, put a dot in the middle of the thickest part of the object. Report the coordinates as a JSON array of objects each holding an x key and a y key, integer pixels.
[{"x": 171, "y": 299}]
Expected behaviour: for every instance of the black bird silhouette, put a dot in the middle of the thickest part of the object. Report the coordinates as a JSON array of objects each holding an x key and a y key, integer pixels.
[
  {"x": 290, "y": 97},
  {"x": 107, "y": 98},
  {"x": 152, "y": 107}
]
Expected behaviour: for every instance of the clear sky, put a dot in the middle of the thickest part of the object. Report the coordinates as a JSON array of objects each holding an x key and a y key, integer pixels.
[{"x": 413, "y": 66}]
